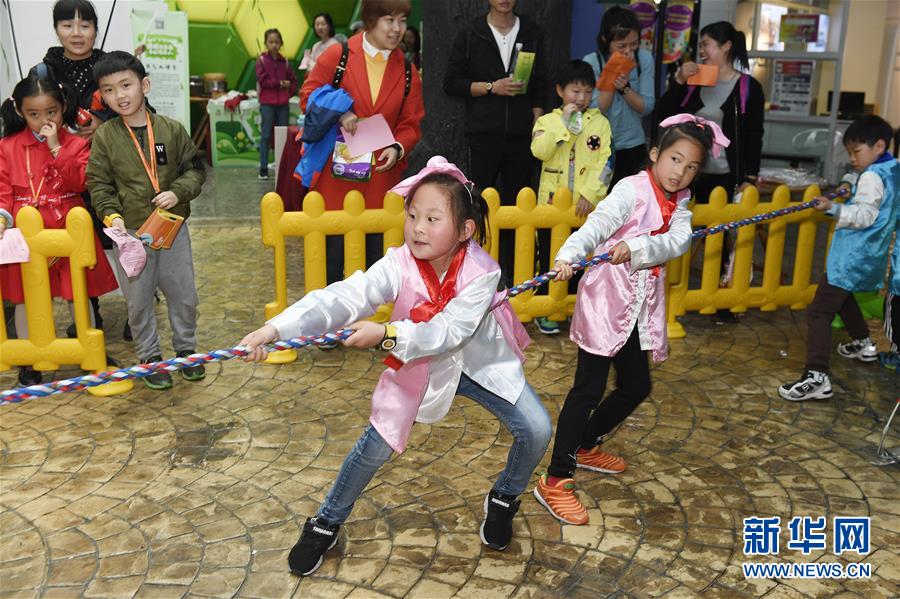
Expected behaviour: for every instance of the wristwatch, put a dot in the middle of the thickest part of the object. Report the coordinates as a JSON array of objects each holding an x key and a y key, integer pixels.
[
  {"x": 389, "y": 341},
  {"x": 625, "y": 89},
  {"x": 489, "y": 87}
]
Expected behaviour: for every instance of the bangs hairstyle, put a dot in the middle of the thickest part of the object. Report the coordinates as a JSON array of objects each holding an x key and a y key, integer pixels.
[
  {"x": 617, "y": 23},
  {"x": 466, "y": 202},
  {"x": 372, "y": 10},
  {"x": 328, "y": 20},
  {"x": 30, "y": 87},
  {"x": 576, "y": 71},
  {"x": 118, "y": 61},
  {"x": 868, "y": 130},
  {"x": 700, "y": 135},
  {"x": 66, "y": 10},
  {"x": 270, "y": 32}
]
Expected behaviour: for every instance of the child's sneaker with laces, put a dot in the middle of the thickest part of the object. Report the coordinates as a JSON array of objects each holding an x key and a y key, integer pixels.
[
  {"x": 309, "y": 552},
  {"x": 599, "y": 461},
  {"x": 496, "y": 529},
  {"x": 547, "y": 326},
  {"x": 861, "y": 349},
  {"x": 890, "y": 360},
  {"x": 192, "y": 373},
  {"x": 561, "y": 501},
  {"x": 158, "y": 381},
  {"x": 812, "y": 385}
]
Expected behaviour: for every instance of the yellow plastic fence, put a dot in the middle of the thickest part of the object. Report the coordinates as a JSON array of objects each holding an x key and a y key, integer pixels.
[
  {"x": 42, "y": 349},
  {"x": 313, "y": 223}
]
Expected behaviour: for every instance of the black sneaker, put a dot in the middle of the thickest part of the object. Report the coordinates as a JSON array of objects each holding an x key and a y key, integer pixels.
[
  {"x": 158, "y": 381},
  {"x": 263, "y": 174},
  {"x": 499, "y": 509},
  {"x": 191, "y": 373},
  {"x": 29, "y": 376},
  {"x": 309, "y": 552},
  {"x": 812, "y": 385}
]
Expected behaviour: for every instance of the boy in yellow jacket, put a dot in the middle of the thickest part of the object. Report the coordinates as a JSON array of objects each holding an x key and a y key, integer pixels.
[{"x": 573, "y": 142}]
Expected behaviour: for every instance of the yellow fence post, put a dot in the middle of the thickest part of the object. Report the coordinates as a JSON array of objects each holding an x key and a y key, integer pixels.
[{"x": 42, "y": 349}]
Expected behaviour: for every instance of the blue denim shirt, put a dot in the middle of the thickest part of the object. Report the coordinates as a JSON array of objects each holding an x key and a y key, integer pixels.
[{"x": 627, "y": 131}]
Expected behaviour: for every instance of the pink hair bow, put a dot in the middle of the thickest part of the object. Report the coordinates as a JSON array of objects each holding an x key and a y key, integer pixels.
[
  {"x": 719, "y": 139},
  {"x": 436, "y": 164}
]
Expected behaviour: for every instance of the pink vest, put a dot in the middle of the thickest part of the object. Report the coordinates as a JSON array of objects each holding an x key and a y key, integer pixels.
[
  {"x": 399, "y": 393},
  {"x": 606, "y": 308}
]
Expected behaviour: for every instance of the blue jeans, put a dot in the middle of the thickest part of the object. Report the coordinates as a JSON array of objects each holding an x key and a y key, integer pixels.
[
  {"x": 527, "y": 420},
  {"x": 272, "y": 115}
]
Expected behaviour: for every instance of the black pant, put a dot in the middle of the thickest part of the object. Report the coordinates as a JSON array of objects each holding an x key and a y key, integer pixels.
[
  {"x": 828, "y": 302},
  {"x": 334, "y": 254},
  {"x": 706, "y": 182},
  {"x": 629, "y": 161},
  {"x": 512, "y": 162},
  {"x": 544, "y": 262},
  {"x": 577, "y": 426}
]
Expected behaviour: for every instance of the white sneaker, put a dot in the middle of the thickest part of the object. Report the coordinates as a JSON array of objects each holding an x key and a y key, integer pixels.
[
  {"x": 861, "y": 349},
  {"x": 812, "y": 385}
]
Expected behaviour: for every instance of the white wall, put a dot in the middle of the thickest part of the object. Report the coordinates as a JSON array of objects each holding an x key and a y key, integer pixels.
[{"x": 33, "y": 22}]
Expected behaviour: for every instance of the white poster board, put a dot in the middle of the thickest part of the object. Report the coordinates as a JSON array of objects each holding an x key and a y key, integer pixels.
[
  {"x": 165, "y": 36},
  {"x": 792, "y": 84}
]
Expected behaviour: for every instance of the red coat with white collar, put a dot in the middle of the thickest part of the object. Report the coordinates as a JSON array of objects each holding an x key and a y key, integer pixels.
[{"x": 403, "y": 116}]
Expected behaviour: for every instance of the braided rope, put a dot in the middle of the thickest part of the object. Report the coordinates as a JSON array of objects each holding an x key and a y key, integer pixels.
[{"x": 175, "y": 364}]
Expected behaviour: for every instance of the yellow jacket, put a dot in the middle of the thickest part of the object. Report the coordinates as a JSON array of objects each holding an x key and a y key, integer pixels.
[{"x": 552, "y": 144}]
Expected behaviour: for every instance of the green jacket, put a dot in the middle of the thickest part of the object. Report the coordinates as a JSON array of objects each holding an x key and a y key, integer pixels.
[{"x": 118, "y": 182}]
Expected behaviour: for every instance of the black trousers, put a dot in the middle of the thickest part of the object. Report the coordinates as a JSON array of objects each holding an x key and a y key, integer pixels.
[
  {"x": 511, "y": 161},
  {"x": 828, "y": 302},
  {"x": 334, "y": 254},
  {"x": 584, "y": 420},
  {"x": 892, "y": 319},
  {"x": 706, "y": 182},
  {"x": 629, "y": 161}
]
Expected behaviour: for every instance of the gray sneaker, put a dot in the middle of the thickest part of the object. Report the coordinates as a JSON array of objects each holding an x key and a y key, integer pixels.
[
  {"x": 812, "y": 385},
  {"x": 863, "y": 350}
]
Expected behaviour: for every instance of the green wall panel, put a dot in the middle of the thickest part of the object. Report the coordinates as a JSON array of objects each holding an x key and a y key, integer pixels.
[{"x": 216, "y": 48}]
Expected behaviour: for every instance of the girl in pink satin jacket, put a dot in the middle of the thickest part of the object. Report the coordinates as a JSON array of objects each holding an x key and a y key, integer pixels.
[
  {"x": 620, "y": 310},
  {"x": 451, "y": 333}
]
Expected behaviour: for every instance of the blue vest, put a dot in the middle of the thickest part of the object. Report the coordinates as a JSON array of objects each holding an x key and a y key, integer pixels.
[{"x": 857, "y": 260}]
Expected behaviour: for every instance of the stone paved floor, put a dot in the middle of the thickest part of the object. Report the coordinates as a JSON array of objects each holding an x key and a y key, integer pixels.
[{"x": 202, "y": 490}]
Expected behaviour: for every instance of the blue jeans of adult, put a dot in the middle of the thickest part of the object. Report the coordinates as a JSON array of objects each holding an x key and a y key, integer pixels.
[
  {"x": 527, "y": 420},
  {"x": 272, "y": 115}
]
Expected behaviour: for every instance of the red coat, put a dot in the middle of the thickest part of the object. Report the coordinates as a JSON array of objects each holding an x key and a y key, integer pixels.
[
  {"x": 64, "y": 181},
  {"x": 403, "y": 116}
]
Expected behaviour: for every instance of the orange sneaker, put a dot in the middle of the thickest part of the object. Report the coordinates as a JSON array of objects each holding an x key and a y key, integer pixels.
[
  {"x": 600, "y": 461},
  {"x": 561, "y": 500}
]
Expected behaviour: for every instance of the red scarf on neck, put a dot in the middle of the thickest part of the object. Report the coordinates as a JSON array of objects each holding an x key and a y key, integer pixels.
[
  {"x": 666, "y": 208},
  {"x": 439, "y": 293}
]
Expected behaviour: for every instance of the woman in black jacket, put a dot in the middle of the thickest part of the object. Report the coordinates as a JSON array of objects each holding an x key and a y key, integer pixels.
[{"x": 736, "y": 103}]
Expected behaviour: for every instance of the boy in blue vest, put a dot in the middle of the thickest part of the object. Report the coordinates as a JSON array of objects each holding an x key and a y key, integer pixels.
[{"x": 857, "y": 259}]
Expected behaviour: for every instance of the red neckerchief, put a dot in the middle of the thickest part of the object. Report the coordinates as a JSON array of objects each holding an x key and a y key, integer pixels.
[
  {"x": 666, "y": 207},
  {"x": 440, "y": 293}
]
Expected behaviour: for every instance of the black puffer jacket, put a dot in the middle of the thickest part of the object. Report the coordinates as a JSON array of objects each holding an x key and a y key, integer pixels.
[
  {"x": 743, "y": 127},
  {"x": 476, "y": 57}
]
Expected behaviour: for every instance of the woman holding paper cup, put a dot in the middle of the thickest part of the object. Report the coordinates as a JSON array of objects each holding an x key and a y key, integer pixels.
[
  {"x": 734, "y": 100},
  {"x": 625, "y": 81},
  {"x": 376, "y": 79}
]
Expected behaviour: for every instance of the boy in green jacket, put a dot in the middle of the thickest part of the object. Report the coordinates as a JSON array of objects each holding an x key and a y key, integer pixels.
[{"x": 140, "y": 162}]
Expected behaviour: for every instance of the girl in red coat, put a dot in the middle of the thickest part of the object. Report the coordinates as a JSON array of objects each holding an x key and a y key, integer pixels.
[
  {"x": 43, "y": 165},
  {"x": 375, "y": 78}
]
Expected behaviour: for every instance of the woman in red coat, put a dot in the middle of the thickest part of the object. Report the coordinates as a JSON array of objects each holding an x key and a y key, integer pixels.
[{"x": 375, "y": 78}]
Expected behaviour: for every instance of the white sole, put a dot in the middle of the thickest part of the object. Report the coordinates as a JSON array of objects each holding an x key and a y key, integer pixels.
[
  {"x": 540, "y": 499},
  {"x": 318, "y": 563},
  {"x": 783, "y": 395},
  {"x": 595, "y": 469}
]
